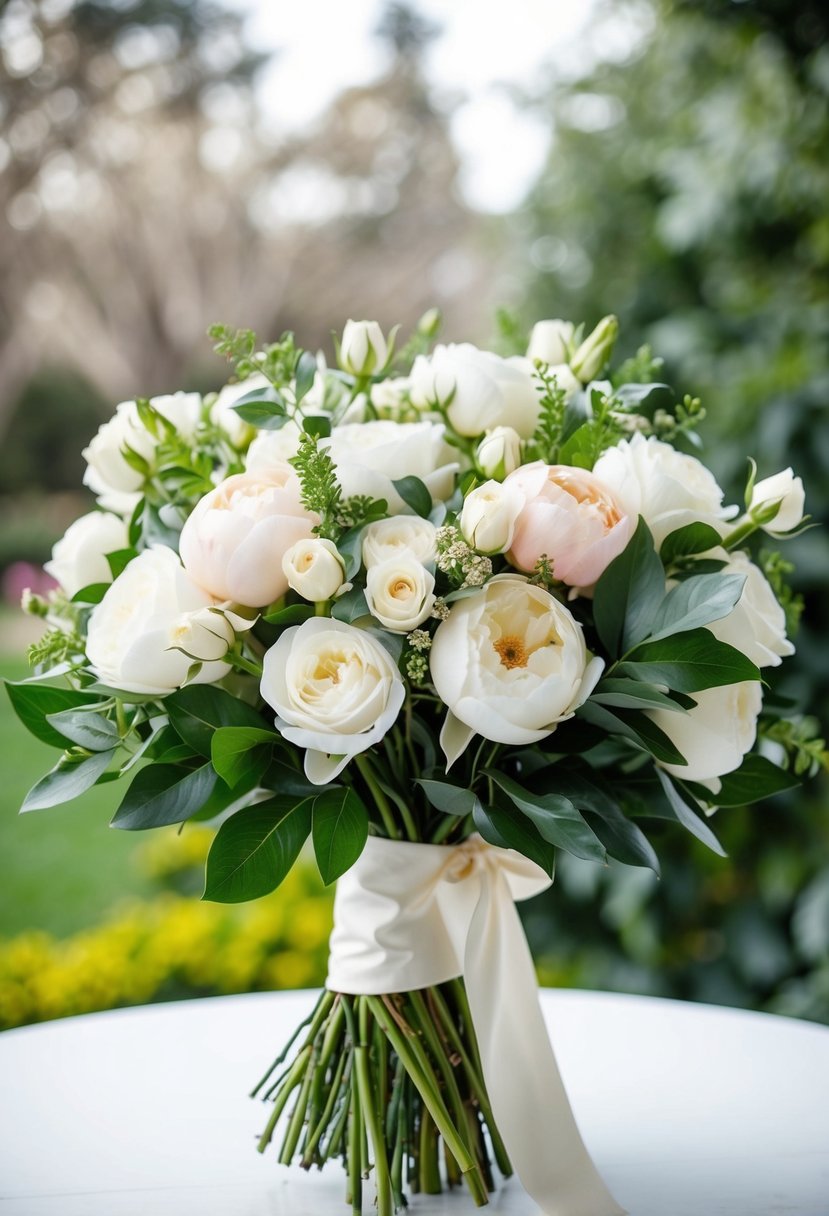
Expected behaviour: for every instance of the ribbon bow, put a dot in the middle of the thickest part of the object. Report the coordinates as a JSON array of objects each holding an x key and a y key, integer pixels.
[{"x": 409, "y": 916}]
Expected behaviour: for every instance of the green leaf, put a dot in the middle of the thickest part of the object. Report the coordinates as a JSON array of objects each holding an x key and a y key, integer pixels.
[
  {"x": 293, "y": 614},
  {"x": 634, "y": 694},
  {"x": 635, "y": 726},
  {"x": 254, "y": 850},
  {"x": 510, "y": 831},
  {"x": 340, "y": 831},
  {"x": 688, "y": 541},
  {"x": 263, "y": 408},
  {"x": 682, "y": 811},
  {"x": 119, "y": 559},
  {"x": 629, "y": 593},
  {"x": 450, "y": 799},
  {"x": 34, "y": 703},
  {"x": 645, "y": 398},
  {"x": 756, "y": 778},
  {"x": 689, "y": 662},
  {"x": 67, "y": 780},
  {"x": 351, "y": 606},
  {"x": 200, "y": 709},
  {"x": 318, "y": 425},
  {"x": 556, "y": 819},
  {"x": 92, "y": 594},
  {"x": 415, "y": 494},
  {"x": 87, "y": 729},
  {"x": 306, "y": 370},
  {"x": 241, "y": 753},
  {"x": 162, "y": 794},
  {"x": 697, "y": 601},
  {"x": 623, "y": 839},
  {"x": 350, "y": 546},
  {"x": 283, "y": 779}
]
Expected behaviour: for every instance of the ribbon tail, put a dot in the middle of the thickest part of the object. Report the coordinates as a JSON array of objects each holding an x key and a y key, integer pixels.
[{"x": 525, "y": 1088}]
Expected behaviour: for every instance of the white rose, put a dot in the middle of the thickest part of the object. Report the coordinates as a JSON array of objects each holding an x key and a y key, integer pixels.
[
  {"x": 369, "y": 456},
  {"x": 787, "y": 490},
  {"x": 152, "y": 624},
  {"x": 79, "y": 557},
  {"x": 499, "y": 452},
  {"x": 400, "y": 534},
  {"x": 476, "y": 389},
  {"x": 224, "y": 416},
  {"x": 335, "y": 690},
  {"x": 757, "y": 623},
  {"x": 550, "y": 341},
  {"x": 233, "y": 542},
  {"x": 510, "y": 663},
  {"x": 667, "y": 488},
  {"x": 488, "y": 516},
  {"x": 314, "y": 569},
  {"x": 714, "y": 735},
  {"x": 399, "y": 592},
  {"x": 115, "y": 482},
  {"x": 271, "y": 448},
  {"x": 363, "y": 348}
]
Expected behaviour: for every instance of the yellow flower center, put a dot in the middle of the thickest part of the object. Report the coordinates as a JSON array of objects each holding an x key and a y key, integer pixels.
[{"x": 512, "y": 651}]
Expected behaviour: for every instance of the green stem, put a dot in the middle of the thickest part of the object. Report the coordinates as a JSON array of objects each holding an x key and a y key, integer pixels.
[
  {"x": 371, "y": 1115},
  {"x": 417, "y": 1066},
  {"x": 745, "y": 528},
  {"x": 382, "y": 803},
  {"x": 293, "y": 1079},
  {"x": 327, "y": 1113},
  {"x": 447, "y": 825}
]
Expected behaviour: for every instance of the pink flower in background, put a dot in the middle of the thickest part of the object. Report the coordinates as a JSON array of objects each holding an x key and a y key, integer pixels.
[
  {"x": 25, "y": 576},
  {"x": 571, "y": 518}
]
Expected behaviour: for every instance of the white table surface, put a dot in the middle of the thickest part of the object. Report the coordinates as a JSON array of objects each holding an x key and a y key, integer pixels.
[{"x": 688, "y": 1110}]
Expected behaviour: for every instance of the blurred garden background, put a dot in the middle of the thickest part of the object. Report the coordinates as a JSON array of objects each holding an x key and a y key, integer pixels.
[{"x": 165, "y": 164}]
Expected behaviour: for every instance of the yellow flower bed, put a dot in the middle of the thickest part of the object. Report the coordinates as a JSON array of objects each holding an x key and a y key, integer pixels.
[{"x": 171, "y": 946}]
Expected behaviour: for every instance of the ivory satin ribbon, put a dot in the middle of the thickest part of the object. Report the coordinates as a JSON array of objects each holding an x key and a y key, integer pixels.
[{"x": 408, "y": 916}]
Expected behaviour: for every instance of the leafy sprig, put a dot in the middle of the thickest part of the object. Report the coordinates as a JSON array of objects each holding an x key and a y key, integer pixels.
[
  {"x": 547, "y": 437},
  {"x": 320, "y": 489},
  {"x": 276, "y": 361},
  {"x": 804, "y": 749},
  {"x": 776, "y": 569}
]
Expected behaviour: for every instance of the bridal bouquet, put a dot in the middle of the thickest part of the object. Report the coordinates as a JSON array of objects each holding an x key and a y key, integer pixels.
[{"x": 444, "y": 613}]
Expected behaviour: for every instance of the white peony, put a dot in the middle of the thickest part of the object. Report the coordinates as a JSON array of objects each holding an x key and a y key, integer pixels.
[
  {"x": 714, "y": 735},
  {"x": 509, "y": 663},
  {"x": 152, "y": 624},
  {"x": 371, "y": 455},
  {"x": 314, "y": 569},
  {"x": 666, "y": 487},
  {"x": 400, "y": 592},
  {"x": 115, "y": 482},
  {"x": 335, "y": 690},
  {"x": 757, "y": 623},
  {"x": 79, "y": 557},
  {"x": 234, "y": 541},
  {"x": 476, "y": 389},
  {"x": 399, "y": 534},
  {"x": 271, "y": 448}
]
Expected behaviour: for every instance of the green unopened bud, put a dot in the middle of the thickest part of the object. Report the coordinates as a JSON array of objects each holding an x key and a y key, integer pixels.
[
  {"x": 595, "y": 350},
  {"x": 430, "y": 323},
  {"x": 34, "y": 605}
]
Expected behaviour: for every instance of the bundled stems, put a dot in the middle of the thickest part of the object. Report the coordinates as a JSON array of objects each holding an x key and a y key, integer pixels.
[{"x": 389, "y": 1085}]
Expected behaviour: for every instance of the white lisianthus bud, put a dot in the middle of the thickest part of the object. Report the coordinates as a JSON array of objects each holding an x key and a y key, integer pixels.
[
  {"x": 399, "y": 592},
  {"x": 429, "y": 323},
  {"x": 499, "y": 452},
  {"x": 595, "y": 350},
  {"x": 397, "y": 535},
  {"x": 314, "y": 569},
  {"x": 550, "y": 341},
  {"x": 363, "y": 348},
  {"x": 488, "y": 517},
  {"x": 783, "y": 491}
]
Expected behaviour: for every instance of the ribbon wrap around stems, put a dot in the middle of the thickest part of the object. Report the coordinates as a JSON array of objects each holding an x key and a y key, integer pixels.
[{"x": 410, "y": 916}]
